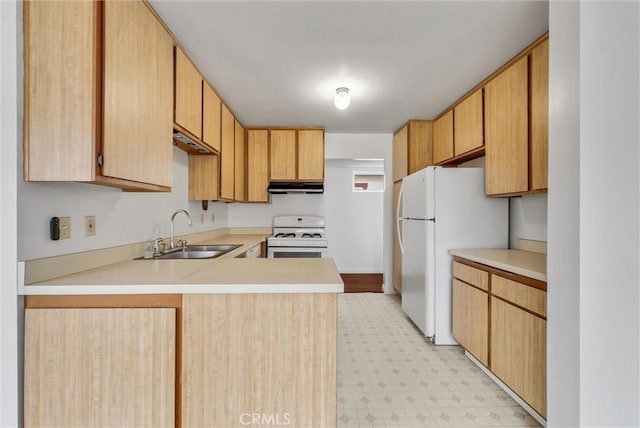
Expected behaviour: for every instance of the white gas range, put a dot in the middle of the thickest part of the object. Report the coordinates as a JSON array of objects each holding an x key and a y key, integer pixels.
[{"x": 297, "y": 236}]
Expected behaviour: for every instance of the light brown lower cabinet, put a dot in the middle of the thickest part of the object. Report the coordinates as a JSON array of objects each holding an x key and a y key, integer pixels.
[
  {"x": 518, "y": 352},
  {"x": 196, "y": 360},
  {"x": 499, "y": 318},
  {"x": 471, "y": 319},
  {"x": 270, "y": 356},
  {"x": 110, "y": 367}
]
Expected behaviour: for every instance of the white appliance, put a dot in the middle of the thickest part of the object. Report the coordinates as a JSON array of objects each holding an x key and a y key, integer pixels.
[
  {"x": 443, "y": 209},
  {"x": 297, "y": 236}
]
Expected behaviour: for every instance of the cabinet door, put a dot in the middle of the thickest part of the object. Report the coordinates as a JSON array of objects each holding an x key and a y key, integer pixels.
[
  {"x": 311, "y": 155},
  {"x": 100, "y": 367},
  {"x": 397, "y": 254},
  {"x": 211, "y": 111},
  {"x": 420, "y": 145},
  {"x": 468, "y": 133},
  {"x": 188, "y": 111},
  {"x": 539, "y": 116},
  {"x": 506, "y": 131},
  {"x": 283, "y": 155},
  {"x": 257, "y": 165},
  {"x": 443, "y": 138},
  {"x": 138, "y": 95},
  {"x": 269, "y": 353},
  {"x": 470, "y": 319},
  {"x": 519, "y": 352},
  {"x": 61, "y": 79},
  {"x": 401, "y": 153},
  {"x": 227, "y": 155},
  {"x": 240, "y": 151},
  {"x": 203, "y": 177}
]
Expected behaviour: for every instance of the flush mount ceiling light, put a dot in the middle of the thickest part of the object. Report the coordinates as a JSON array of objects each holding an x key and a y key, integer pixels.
[{"x": 342, "y": 98}]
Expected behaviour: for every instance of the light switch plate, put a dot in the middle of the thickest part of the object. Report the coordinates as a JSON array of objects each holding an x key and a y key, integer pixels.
[
  {"x": 65, "y": 227},
  {"x": 90, "y": 225}
]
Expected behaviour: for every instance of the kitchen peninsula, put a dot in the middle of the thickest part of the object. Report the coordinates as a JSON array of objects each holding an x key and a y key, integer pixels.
[{"x": 219, "y": 342}]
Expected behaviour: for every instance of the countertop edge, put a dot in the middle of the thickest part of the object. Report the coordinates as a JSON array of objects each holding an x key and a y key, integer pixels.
[
  {"x": 63, "y": 290},
  {"x": 500, "y": 265}
]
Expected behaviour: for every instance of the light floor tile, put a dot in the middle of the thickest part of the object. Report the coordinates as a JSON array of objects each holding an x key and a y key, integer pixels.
[{"x": 389, "y": 375}]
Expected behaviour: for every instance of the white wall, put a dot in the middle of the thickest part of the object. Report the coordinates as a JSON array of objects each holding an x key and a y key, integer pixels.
[
  {"x": 609, "y": 213},
  {"x": 370, "y": 146},
  {"x": 121, "y": 217},
  {"x": 593, "y": 354},
  {"x": 527, "y": 218},
  {"x": 354, "y": 219},
  {"x": 527, "y": 214},
  {"x": 563, "y": 244},
  {"x": 9, "y": 392},
  {"x": 261, "y": 215}
]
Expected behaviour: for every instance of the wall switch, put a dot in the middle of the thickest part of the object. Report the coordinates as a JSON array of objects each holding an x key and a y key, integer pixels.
[
  {"x": 65, "y": 227},
  {"x": 202, "y": 218},
  {"x": 90, "y": 225},
  {"x": 213, "y": 217}
]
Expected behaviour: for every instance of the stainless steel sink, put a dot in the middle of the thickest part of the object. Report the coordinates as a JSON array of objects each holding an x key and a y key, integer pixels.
[
  {"x": 213, "y": 247},
  {"x": 204, "y": 251},
  {"x": 191, "y": 255}
]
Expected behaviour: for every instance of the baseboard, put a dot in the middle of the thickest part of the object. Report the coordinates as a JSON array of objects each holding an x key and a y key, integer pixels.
[{"x": 362, "y": 282}]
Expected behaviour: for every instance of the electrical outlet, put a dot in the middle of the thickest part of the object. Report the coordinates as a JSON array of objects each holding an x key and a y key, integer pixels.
[
  {"x": 65, "y": 227},
  {"x": 90, "y": 225},
  {"x": 213, "y": 217},
  {"x": 202, "y": 218}
]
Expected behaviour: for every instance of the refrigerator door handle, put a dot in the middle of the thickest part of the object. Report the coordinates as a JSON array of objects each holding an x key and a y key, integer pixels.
[{"x": 398, "y": 217}]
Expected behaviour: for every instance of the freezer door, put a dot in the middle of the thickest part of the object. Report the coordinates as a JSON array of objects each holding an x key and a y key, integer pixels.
[
  {"x": 414, "y": 261},
  {"x": 414, "y": 196}
]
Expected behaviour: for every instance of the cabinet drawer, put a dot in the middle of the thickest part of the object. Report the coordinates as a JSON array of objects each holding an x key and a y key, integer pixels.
[
  {"x": 471, "y": 275},
  {"x": 522, "y": 295}
]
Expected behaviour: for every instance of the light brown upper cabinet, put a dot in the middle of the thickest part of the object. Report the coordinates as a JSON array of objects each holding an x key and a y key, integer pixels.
[
  {"x": 188, "y": 109},
  {"x": 283, "y": 154},
  {"x": 227, "y": 155},
  {"x": 311, "y": 155},
  {"x": 507, "y": 131},
  {"x": 211, "y": 117},
  {"x": 467, "y": 130},
  {"x": 412, "y": 148},
  {"x": 539, "y": 116},
  {"x": 204, "y": 184},
  {"x": 257, "y": 165},
  {"x": 122, "y": 56},
  {"x": 297, "y": 155},
  {"x": 240, "y": 159},
  {"x": 443, "y": 138}
]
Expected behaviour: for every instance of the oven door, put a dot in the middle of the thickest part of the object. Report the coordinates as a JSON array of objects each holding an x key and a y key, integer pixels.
[{"x": 296, "y": 252}]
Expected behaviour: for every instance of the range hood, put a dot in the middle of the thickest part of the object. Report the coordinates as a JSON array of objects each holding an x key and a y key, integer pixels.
[
  {"x": 188, "y": 144},
  {"x": 295, "y": 187}
]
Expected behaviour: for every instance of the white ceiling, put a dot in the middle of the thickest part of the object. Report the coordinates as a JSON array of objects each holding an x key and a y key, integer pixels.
[{"x": 279, "y": 63}]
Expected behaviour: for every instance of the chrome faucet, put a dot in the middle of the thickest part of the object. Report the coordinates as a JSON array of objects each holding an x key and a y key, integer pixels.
[{"x": 172, "y": 245}]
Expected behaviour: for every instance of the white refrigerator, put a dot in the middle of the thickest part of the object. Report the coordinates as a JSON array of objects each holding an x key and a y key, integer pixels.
[{"x": 442, "y": 209}]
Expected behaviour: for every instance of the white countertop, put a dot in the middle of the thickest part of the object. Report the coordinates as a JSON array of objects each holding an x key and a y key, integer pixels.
[
  {"x": 222, "y": 275},
  {"x": 526, "y": 263}
]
